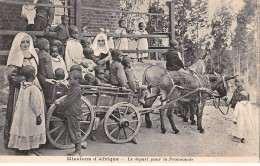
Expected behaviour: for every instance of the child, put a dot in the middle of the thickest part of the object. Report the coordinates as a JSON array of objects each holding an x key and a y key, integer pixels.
[
  {"x": 127, "y": 63},
  {"x": 239, "y": 84},
  {"x": 101, "y": 73},
  {"x": 86, "y": 42},
  {"x": 63, "y": 29},
  {"x": 28, "y": 14},
  {"x": 60, "y": 46},
  {"x": 89, "y": 60},
  {"x": 74, "y": 51},
  {"x": 84, "y": 29},
  {"x": 173, "y": 59},
  {"x": 142, "y": 43},
  {"x": 28, "y": 127},
  {"x": 117, "y": 73},
  {"x": 121, "y": 43},
  {"x": 72, "y": 110},
  {"x": 57, "y": 61},
  {"x": 110, "y": 40},
  {"x": 45, "y": 72},
  {"x": 242, "y": 118}
]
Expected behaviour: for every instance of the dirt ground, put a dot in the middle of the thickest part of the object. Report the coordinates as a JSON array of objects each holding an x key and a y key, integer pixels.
[{"x": 215, "y": 142}]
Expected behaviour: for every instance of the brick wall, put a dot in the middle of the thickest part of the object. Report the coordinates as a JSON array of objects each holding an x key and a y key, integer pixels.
[{"x": 10, "y": 18}]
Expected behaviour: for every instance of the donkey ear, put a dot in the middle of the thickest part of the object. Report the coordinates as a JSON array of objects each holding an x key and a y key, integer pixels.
[{"x": 229, "y": 78}]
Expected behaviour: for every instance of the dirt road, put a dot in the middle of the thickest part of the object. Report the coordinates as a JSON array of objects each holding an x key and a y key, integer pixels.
[{"x": 215, "y": 142}]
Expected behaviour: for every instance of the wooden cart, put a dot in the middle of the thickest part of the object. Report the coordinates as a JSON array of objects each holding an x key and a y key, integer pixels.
[{"x": 116, "y": 106}]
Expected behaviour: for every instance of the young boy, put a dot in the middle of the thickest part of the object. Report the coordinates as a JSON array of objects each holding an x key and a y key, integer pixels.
[
  {"x": 142, "y": 43},
  {"x": 74, "y": 51},
  {"x": 63, "y": 29},
  {"x": 117, "y": 73},
  {"x": 127, "y": 63},
  {"x": 57, "y": 60},
  {"x": 73, "y": 111},
  {"x": 86, "y": 42},
  {"x": 60, "y": 46},
  {"x": 173, "y": 59},
  {"x": 45, "y": 71}
]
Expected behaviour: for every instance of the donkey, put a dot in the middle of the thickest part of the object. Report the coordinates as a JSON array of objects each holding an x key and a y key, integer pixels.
[
  {"x": 174, "y": 84},
  {"x": 151, "y": 78}
]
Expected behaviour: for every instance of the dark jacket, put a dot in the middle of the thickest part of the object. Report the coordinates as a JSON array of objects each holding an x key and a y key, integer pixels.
[
  {"x": 45, "y": 72},
  {"x": 117, "y": 74},
  {"x": 72, "y": 102},
  {"x": 62, "y": 32},
  {"x": 236, "y": 97},
  {"x": 130, "y": 78},
  {"x": 173, "y": 63}
]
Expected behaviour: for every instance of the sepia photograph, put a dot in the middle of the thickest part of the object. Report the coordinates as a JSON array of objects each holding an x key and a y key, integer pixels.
[{"x": 129, "y": 81}]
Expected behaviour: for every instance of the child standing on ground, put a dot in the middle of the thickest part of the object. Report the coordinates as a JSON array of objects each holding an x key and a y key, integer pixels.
[
  {"x": 28, "y": 127},
  {"x": 142, "y": 43},
  {"x": 242, "y": 118},
  {"x": 73, "y": 111}
]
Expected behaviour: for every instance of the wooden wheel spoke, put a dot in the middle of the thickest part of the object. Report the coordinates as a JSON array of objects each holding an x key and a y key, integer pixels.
[
  {"x": 82, "y": 131},
  {"x": 56, "y": 128},
  {"x": 114, "y": 117},
  {"x": 55, "y": 119},
  {"x": 116, "y": 123},
  {"x": 118, "y": 133},
  {"x": 126, "y": 111},
  {"x": 85, "y": 113},
  {"x": 66, "y": 138},
  {"x": 125, "y": 133},
  {"x": 114, "y": 130},
  {"x": 131, "y": 128},
  {"x": 131, "y": 114},
  {"x": 84, "y": 121},
  {"x": 132, "y": 121},
  {"x": 119, "y": 113},
  {"x": 58, "y": 137}
]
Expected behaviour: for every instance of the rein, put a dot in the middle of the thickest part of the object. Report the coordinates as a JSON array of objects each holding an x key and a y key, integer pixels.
[{"x": 216, "y": 100}]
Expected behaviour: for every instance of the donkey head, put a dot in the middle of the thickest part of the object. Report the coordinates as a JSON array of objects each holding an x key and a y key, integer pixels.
[{"x": 219, "y": 83}]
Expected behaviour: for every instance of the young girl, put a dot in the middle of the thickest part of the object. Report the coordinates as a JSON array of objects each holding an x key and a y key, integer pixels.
[
  {"x": 28, "y": 127},
  {"x": 109, "y": 39},
  {"x": 142, "y": 43},
  {"x": 242, "y": 117},
  {"x": 121, "y": 43},
  {"x": 57, "y": 61}
]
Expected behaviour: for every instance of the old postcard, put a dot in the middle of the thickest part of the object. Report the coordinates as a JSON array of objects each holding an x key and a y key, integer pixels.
[{"x": 129, "y": 81}]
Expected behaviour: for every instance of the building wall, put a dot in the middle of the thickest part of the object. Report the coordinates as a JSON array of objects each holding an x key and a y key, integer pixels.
[{"x": 10, "y": 18}]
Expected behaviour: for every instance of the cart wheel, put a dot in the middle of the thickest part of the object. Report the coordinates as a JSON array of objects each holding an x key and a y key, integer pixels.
[
  {"x": 56, "y": 127},
  {"x": 122, "y": 122}
]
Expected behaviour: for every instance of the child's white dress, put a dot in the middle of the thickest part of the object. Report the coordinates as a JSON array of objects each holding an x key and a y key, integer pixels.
[
  {"x": 121, "y": 43},
  {"x": 142, "y": 43},
  {"x": 58, "y": 62},
  {"x": 29, "y": 11},
  {"x": 73, "y": 53},
  {"x": 242, "y": 115},
  {"x": 24, "y": 133}
]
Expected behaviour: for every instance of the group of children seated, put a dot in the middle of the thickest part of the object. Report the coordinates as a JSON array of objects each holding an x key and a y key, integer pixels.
[{"x": 58, "y": 57}]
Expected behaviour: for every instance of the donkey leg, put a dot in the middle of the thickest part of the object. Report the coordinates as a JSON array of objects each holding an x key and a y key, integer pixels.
[
  {"x": 162, "y": 121},
  {"x": 170, "y": 117},
  {"x": 199, "y": 117},
  {"x": 185, "y": 112},
  {"x": 148, "y": 121},
  {"x": 193, "y": 110}
]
